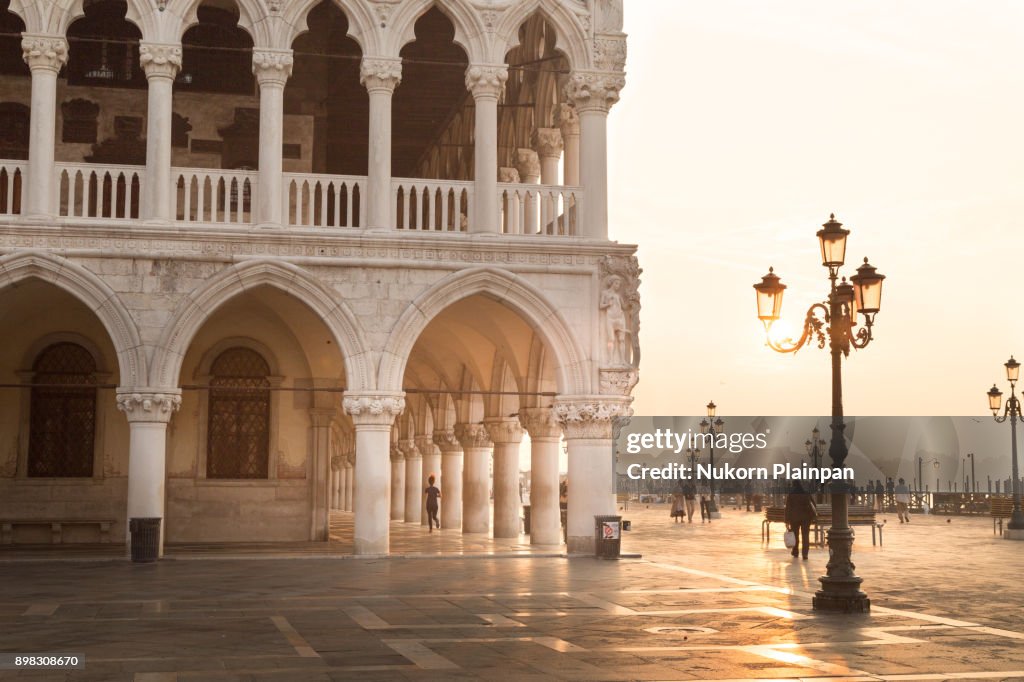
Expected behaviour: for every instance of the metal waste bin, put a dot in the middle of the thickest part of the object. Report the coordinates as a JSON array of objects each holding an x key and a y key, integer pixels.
[
  {"x": 607, "y": 536},
  {"x": 145, "y": 539}
]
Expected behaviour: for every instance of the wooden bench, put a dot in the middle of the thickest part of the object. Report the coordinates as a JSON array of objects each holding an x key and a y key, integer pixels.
[
  {"x": 771, "y": 515},
  {"x": 56, "y": 528},
  {"x": 1000, "y": 508},
  {"x": 857, "y": 515}
]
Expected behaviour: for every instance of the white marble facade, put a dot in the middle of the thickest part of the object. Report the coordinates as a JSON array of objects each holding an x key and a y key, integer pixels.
[{"x": 388, "y": 353}]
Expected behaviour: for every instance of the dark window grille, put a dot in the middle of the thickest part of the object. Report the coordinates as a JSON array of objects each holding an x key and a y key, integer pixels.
[
  {"x": 238, "y": 434},
  {"x": 62, "y": 413}
]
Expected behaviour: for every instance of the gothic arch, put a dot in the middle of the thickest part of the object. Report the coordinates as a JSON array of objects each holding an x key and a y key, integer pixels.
[
  {"x": 571, "y": 38},
  {"x": 469, "y": 32},
  {"x": 93, "y": 292},
  {"x": 509, "y": 289},
  {"x": 362, "y": 27},
  {"x": 199, "y": 305}
]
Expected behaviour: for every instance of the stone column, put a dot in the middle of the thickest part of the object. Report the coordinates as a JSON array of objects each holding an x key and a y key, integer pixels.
[
  {"x": 545, "y": 514},
  {"x": 350, "y": 484},
  {"x": 431, "y": 464},
  {"x": 148, "y": 415},
  {"x": 588, "y": 425},
  {"x": 569, "y": 124},
  {"x": 320, "y": 456},
  {"x": 380, "y": 76},
  {"x": 451, "y": 478},
  {"x": 372, "y": 415},
  {"x": 506, "y": 434},
  {"x": 528, "y": 166},
  {"x": 509, "y": 205},
  {"x": 413, "y": 481},
  {"x": 397, "y": 484},
  {"x": 485, "y": 82},
  {"x": 45, "y": 55},
  {"x": 272, "y": 68},
  {"x": 548, "y": 144},
  {"x": 593, "y": 93},
  {"x": 476, "y": 480},
  {"x": 337, "y": 482},
  {"x": 161, "y": 63}
]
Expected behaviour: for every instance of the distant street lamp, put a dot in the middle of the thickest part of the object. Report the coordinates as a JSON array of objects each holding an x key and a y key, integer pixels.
[
  {"x": 974, "y": 481},
  {"x": 714, "y": 428},
  {"x": 840, "y": 587},
  {"x": 1013, "y": 411},
  {"x": 935, "y": 463},
  {"x": 694, "y": 456}
]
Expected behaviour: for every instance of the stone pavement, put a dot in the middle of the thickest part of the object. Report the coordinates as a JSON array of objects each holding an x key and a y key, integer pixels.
[{"x": 705, "y": 602}]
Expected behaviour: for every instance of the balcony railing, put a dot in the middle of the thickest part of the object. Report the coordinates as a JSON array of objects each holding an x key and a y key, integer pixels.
[{"x": 228, "y": 197}]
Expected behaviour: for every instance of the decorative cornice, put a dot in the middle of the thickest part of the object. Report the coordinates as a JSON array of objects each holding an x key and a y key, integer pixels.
[
  {"x": 504, "y": 430},
  {"x": 528, "y": 164},
  {"x": 592, "y": 416},
  {"x": 380, "y": 73},
  {"x": 486, "y": 80},
  {"x": 272, "y": 67},
  {"x": 594, "y": 90},
  {"x": 446, "y": 441},
  {"x": 409, "y": 449},
  {"x": 540, "y": 423},
  {"x": 548, "y": 142},
  {"x": 45, "y": 52},
  {"x": 367, "y": 409},
  {"x": 472, "y": 436},
  {"x": 148, "y": 406},
  {"x": 568, "y": 120},
  {"x": 160, "y": 60}
]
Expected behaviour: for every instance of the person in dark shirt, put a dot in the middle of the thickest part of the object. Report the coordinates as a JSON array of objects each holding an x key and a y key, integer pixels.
[
  {"x": 800, "y": 513},
  {"x": 433, "y": 493}
]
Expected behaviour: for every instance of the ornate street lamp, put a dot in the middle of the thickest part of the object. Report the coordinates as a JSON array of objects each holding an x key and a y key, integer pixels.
[
  {"x": 832, "y": 321},
  {"x": 713, "y": 428},
  {"x": 1015, "y": 528}
]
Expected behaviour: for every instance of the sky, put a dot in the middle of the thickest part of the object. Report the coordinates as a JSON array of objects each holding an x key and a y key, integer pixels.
[{"x": 744, "y": 124}]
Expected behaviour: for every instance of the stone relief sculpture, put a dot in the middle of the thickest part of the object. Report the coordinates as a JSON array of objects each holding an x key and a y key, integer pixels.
[
  {"x": 616, "y": 328},
  {"x": 620, "y": 310}
]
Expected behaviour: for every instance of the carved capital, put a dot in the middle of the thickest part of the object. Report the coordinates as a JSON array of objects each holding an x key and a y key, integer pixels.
[
  {"x": 380, "y": 73},
  {"x": 272, "y": 67},
  {"x": 568, "y": 120},
  {"x": 472, "y": 436},
  {"x": 396, "y": 453},
  {"x": 409, "y": 449},
  {"x": 446, "y": 441},
  {"x": 592, "y": 416},
  {"x": 540, "y": 423},
  {"x": 618, "y": 381},
  {"x": 160, "y": 60},
  {"x": 528, "y": 164},
  {"x": 504, "y": 431},
  {"x": 148, "y": 406},
  {"x": 367, "y": 409},
  {"x": 486, "y": 80},
  {"x": 548, "y": 142},
  {"x": 425, "y": 444},
  {"x": 509, "y": 175},
  {"x": 46, "y": 52},
  {"x": 594, "y": 90},
  {"x": 336, "y": 463}
]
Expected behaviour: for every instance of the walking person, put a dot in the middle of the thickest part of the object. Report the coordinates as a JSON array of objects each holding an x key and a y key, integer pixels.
[
  {"x": 879, "y": 496},
  {"x": 800, "y": 513},
  {"x": 689, "y": 499},
  {"x": 678, "y": 503},
  {"x": 890, "y": 495},
  {"x": 433, "y": 494},
  {"x": 903, "y": 501}
]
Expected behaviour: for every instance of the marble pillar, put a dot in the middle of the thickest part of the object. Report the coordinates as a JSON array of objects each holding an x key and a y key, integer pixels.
[
  {"x": 506, "y": 434},
  {"x": 380, "y": 76},
  {"x": 45, "y": 55},
  {"x": 545, "y": 513},
  {"x": 397, "y": 484},
  {"x": 486, "y": 83},
  {"x": 476, "y": 479},
  {"x": 451, "y": 478},
  {"x": 413, "y": 480},
  {"x": 161, "y": 63},
  {"x": 431, "y": 466},
  {"x": 569, "y": 124},
  {"x": 320, "y": 456},
  {"x": 528, "y": 165},
  {"x": 272, "y": 69}
]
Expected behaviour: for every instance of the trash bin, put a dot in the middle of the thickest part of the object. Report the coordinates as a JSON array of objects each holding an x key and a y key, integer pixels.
[
  {"x": 145, "y": 539},
  {"x": 526, "y": 519},
  {"x": 607, "y": 536}
]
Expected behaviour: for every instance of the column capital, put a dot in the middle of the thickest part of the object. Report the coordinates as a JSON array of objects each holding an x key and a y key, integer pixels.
[
  {"x": 507, "y": 174},
  {"x": 446, "y": 441},
  {"x": 504, "y": 431},
  {"x": 396, "y": 453},
  {"x": 486, "y": 80},
  {"x": 321, "y": 417},
  {"x": 540, "y": 423},
  {"x": 272, "y": 66},
  {"x": 472, "y": 436},
  {"x": 584, "y": 417},
  {"x": 568, "y": 120},
  {"x": 528, "y": 164},
  {"x": 148, "y": 406},
  {"x": 548, "y": 142},
  {"x": 425, "y": 444},
  {"x": 594, "y": 90},
  {"x": 380, "y": 73},
  {"x": 43, "y": 51},
  {"x": 377, "y": 409},
  {"x": 336, "y": 464},
  {"x": 160, "y": 60},
  {"x": 409, "y": 449}
]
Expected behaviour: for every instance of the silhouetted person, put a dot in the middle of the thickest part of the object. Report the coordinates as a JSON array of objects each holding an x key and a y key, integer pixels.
[
  {"x": 903, "y": 501},
  {"x": 433, "y": 493},
  {"x": 800, "y": 513}
]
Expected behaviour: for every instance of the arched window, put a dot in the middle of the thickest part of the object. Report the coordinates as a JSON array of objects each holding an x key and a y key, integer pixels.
[
  {"x": 62, "y": 412},
  {"x": 238, "y": 434}
]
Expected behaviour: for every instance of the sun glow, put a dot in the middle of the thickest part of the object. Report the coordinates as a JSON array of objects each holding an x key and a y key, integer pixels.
[{"x": 782, "y": 332}]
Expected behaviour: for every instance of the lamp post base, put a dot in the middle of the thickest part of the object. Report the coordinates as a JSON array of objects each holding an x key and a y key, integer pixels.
[
  {"x": 1013, "y": 534},
  {"x": 841, "y": 594}
]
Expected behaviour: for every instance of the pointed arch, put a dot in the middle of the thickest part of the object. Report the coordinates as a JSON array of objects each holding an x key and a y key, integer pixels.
[
  {"x": 362, "y": 27},
  {"x": 570, "y": 35},
  {"x": 94, "y": 293},
  {"x": 469, "y": 32},
  {"x": 199, "y": 305},
  {"x": 511, "y": 290}
]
